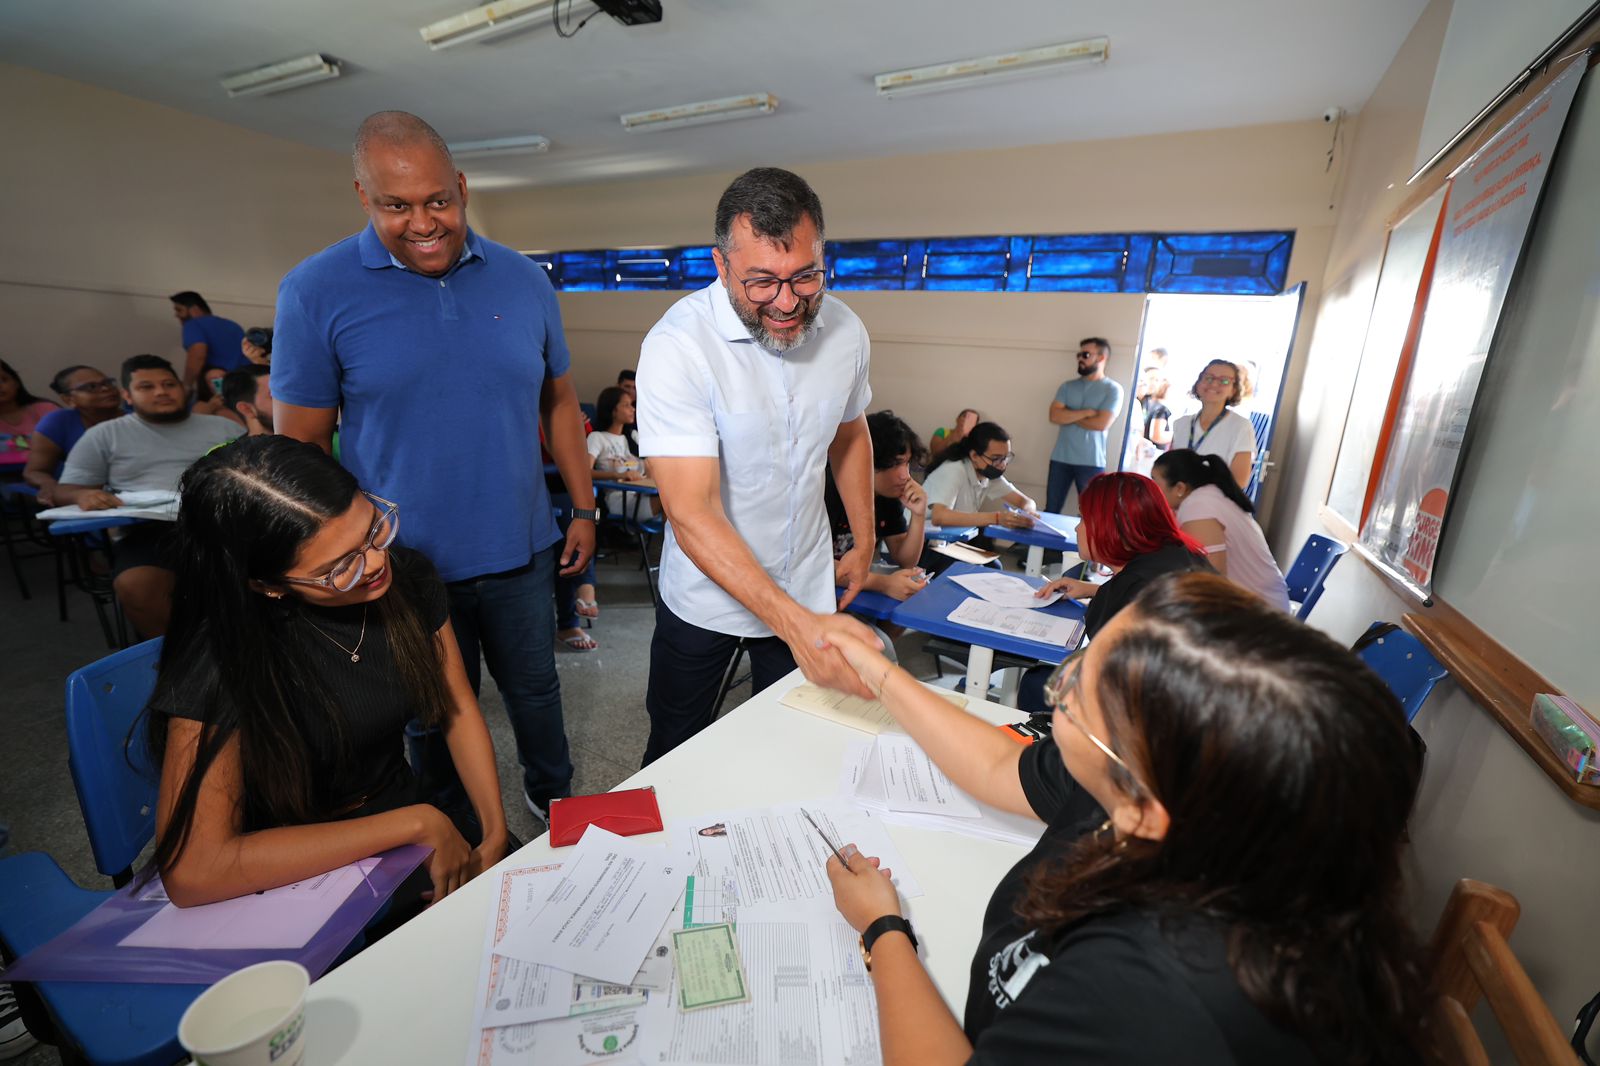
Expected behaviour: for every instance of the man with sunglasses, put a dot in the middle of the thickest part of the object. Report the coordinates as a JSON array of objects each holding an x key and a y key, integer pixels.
[
  {"x": 748, "y": 390},
  {"x": 1084, "y": 407}
]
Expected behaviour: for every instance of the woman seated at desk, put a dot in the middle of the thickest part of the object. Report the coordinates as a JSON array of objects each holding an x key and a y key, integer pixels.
[
  {"x": 1213, "y": 510},
  {"x": 301, "y": 644},
  {"x": 1219, "y": 880},
  {"x": 613, "y": 457},
  {"x": 966, "y": 483}
]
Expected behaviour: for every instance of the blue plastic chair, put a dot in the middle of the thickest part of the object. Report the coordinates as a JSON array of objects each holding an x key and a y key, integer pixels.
[
  {"x": 1261, "y": 423},
  {"x": 1311, "y": 568},
  {"x": 107, "y": 1024},
  {"x": 1405, "y": 665}
]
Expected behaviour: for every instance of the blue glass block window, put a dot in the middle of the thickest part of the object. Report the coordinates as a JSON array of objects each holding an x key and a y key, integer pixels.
[{"x": 1242, "y": 264}]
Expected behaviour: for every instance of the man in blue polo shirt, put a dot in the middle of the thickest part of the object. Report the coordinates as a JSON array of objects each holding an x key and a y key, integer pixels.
[
  {"x": 437, "y": 353},
  {"x": 208, "y": 339}
]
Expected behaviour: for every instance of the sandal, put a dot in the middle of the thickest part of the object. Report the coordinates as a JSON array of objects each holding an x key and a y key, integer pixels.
[
  {"x": 588, "y": 608},
  {"x": 580, "y": 641}
]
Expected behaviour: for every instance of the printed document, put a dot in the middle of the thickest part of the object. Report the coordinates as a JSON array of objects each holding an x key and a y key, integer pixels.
[
  {"x": 1005, "y": 590},
  {"x": 912, "y": 783},
  {"x": 604, "y": 914},
  {"x": 285, "y": 917},
  {"x": 613, "y": 1037},
  {"x": 861, "y": 781},
  {"x": 869, "y": 716},
  {"x": 1024, "y": 625}
]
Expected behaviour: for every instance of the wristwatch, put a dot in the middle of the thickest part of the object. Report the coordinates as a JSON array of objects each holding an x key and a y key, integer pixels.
[
  {"x": 889, "y": 923},
  {"x": 587, "y": 513}
]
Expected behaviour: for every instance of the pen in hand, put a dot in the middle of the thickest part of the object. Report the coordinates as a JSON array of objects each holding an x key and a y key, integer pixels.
[{"x": 831, "y": 846}]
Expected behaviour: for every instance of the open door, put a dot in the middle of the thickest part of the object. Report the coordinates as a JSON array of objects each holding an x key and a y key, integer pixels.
[{"x": 1255, "y": 332}]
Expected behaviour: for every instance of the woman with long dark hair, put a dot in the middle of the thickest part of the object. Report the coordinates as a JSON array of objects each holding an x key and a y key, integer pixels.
[
  {"x": 300, "y": 645},
  {"x": 1212, "y": 509},
  {"x": 90, "y": 397},
  {"x": 1219, "y": 881},
  {"x": 969, "y": 478},
  {"x": 20, "y": 412}
]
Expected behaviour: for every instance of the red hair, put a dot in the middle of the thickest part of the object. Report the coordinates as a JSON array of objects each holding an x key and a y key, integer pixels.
[{"x": 1126, "y": 516}]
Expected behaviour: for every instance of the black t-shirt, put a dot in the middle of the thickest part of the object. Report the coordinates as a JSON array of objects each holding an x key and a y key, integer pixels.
[
  {"x": 889, "y": 514},
  {"x": 1114, "y": 988},
  {"x": 1128, "y": 582},
  {"x": 369, "y": 773},
  {"x": 1154, "y": 409}
]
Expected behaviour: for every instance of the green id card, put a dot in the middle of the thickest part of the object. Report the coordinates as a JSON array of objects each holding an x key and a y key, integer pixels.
[{"x": 709, "y": 973}]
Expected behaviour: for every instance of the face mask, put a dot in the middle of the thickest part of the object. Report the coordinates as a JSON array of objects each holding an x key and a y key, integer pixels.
[{"x": 991, "y": 472}]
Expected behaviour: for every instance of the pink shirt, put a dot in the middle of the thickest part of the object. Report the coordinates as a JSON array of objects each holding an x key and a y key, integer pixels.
[
  {"x": 1249, "y": 560},
  {"x": 10, "y": 431}
]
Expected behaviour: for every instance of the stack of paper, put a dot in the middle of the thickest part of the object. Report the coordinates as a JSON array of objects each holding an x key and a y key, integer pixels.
[
  {"x": 137, "y": 503},
  {"x": 1005, "y": 590},
  {"x": 573, "y": 953},
  {"x": 1022, "y": 624},
  {"x": 895, "y": 779}
]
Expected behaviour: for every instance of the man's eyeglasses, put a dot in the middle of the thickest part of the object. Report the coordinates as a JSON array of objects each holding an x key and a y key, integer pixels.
[
  {"x": 94, "y": 386},
  {"x": 761, "y": 291},
  {"x": 1062, "y": 681},
  {"x": 1000, "y": 460},
  {"x": 346, "y": 574},
  {"x": 1215, "y": 379}
]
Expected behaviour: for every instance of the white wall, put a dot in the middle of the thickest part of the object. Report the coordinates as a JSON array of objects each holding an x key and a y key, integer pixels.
[
  {"x": 116, "y": 203},
  {"x": 1487, "y": 811}
]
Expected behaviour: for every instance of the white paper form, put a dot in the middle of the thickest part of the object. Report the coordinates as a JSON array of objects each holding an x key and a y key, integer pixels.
[
  {"x": 912, "y": 783},
  {"x": 811, "y": 1004},
  {"x": 284, "y": 917},
  {"x": 869, "y": 716},
  {"x": 769, "y": 862},
  {"x": 861, "y": 781},
  {"x": 1066, "y": 525},
  {"x": 614, "y": 1037},
  {"x": 1025, "y": 625},
  {"x": 1006, "y": 590},
  {"x": 136, "y": 503},
  {"x": 512, "y": 991},
  {"x": 605, "y": 913}
]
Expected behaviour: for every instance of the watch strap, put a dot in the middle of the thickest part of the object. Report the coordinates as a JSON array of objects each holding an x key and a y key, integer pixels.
[
  {"x": 888, "y": 923},
  {"x": 589, "y": 513}
]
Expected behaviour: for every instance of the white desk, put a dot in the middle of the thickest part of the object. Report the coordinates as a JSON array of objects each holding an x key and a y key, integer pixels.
[{"x": 408, "y": 998}]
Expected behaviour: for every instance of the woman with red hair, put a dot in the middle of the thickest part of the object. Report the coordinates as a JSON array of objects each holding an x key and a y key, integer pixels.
[{"x": 1129, "y": 527}]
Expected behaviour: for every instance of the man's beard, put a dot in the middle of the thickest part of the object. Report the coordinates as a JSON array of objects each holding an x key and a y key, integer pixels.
[
  {"x": 170, "y": 416},
  {"x": 1087, "y": 371},
  {"x": 750, "y": 315}
]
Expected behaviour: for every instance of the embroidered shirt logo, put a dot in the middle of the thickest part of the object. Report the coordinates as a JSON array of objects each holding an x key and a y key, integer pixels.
[{"x": 1011, "y": 968}]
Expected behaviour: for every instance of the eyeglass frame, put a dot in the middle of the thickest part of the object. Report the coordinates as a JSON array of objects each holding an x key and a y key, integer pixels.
[
  {"x": 745, "y": 283},
  {"x": 95, "y": 386},
  {"x": 1206, "y": 376},
  {"x": 357, "y": 559},
  {"x": 1004, "y": 460},
  {"x": 1063, "y": 679}
]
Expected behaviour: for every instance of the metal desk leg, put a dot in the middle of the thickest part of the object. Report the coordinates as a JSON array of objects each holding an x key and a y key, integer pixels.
[
  {"x": 1034, "y": 565},
  {"x": 980, "y": 664}
]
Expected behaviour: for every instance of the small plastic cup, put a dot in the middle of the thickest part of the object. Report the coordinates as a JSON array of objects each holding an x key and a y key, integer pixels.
[{"x": 252, "y": 1017}]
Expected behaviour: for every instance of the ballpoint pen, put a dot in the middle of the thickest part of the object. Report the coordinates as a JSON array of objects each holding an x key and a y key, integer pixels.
[{"x": 831, "y": 846}]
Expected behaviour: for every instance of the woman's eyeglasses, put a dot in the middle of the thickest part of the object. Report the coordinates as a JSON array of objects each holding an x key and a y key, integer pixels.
[
  {"x": 1215, "y": 379},
  {"x": 346, "y": 574},
  {"x": 1062, "y": 681}
]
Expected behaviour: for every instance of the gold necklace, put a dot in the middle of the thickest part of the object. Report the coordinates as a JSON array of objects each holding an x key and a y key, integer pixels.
[{"x": 354, "y": 652}]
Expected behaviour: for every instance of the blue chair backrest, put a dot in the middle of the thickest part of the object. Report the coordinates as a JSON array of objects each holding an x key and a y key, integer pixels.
[
  {"x": 1405, "y": 665},
  {"x": 115, "y": 779},
  {"x": 1311, "y": 569},
  {"x": 592, "y": 413},
  {"x": 1261, "y": 423}
]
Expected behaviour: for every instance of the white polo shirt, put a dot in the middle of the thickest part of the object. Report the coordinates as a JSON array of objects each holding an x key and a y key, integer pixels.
[{"x": 707, "y": 389}]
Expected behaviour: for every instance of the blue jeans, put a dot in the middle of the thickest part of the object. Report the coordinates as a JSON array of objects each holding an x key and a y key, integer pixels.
[
  {"x": 508, "y": 617},
  {"x": 1063, "y": 476}
]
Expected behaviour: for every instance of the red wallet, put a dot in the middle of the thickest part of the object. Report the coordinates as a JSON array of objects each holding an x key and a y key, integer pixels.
[{"x": 626, "y": 813}]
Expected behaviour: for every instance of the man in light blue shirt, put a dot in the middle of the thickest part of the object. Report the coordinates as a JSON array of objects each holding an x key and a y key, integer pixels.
[{"x": 1083, "y": 408}]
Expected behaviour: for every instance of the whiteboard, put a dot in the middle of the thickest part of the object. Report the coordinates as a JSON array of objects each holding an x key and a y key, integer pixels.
[
  {"x": 1392, "y": 308},
  {"x": 1519, "y": 552}
]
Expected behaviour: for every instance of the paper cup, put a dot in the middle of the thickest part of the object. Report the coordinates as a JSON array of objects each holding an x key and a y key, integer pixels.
[{"x": 252, "y": 1017}]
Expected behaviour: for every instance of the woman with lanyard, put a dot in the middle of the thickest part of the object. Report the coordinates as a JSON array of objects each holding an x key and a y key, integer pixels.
[
  {"x": 1215, "y": 430},
  {"x": 301, "y": 645},
  {"x": 1219, "y": 878}
]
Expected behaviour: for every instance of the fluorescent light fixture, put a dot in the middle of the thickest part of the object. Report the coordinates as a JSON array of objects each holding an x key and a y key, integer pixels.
[
  {"x": 966, "y": 72},
  {"x": 486, "y": 22},
  {"x": 497, "y": 146},
  {"x": 724, "y": 110},
  {"x": 276, "y": 77}
]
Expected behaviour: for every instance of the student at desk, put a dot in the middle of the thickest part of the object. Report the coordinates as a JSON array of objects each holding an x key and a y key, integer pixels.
[
  {"x": 613, "y": 456},
  {"x": 900, "y": 507},
  {"x": 301, "y": 644},
  {"x": 969, "y": 479},
  {"x": 1225, "y": 796},
  {"x": 1215, "y": 511}
]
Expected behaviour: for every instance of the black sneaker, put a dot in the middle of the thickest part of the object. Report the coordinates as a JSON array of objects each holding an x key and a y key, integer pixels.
[{"x": 14, "y": 1036}]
